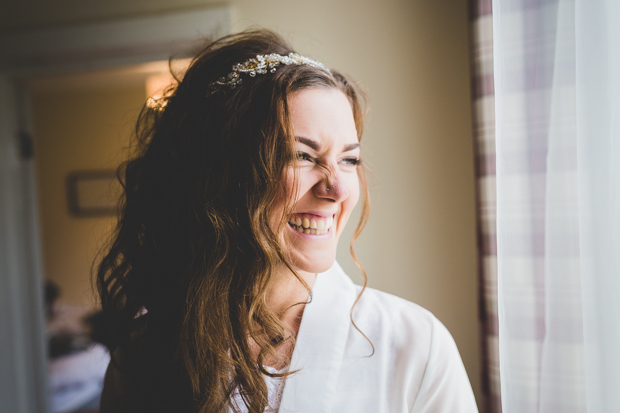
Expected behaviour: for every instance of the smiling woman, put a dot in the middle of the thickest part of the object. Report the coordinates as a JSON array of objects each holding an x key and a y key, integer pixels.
[
  {"x": 328, "y": 155},
  {"x": 221, "y": 291}
]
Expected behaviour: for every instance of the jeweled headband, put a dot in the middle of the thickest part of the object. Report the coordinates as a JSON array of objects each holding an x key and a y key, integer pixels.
[{"x": 260, "y": 65}]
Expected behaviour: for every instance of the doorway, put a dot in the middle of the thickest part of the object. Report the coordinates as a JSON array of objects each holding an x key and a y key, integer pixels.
[
  {"x": 82, "y": 126},
  {"x": 39, "y": 54}
]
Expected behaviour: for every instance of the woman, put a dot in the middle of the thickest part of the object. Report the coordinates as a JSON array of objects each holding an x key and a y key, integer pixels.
[{"x": 221, "y": 290}]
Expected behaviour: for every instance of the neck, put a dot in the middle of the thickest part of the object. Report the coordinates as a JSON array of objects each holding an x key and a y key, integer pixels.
[
  {"x": 283, "y": 297},
  {"x": 285, "y": 294}
]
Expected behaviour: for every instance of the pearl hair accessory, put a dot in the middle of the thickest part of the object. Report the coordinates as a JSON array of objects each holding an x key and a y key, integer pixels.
[{"x": 260, "y": 65}]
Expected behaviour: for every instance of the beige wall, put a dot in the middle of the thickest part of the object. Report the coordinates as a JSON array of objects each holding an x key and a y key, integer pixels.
[
  {"x": 77, "y": 129},
  {"x": 412, "y": 57}
]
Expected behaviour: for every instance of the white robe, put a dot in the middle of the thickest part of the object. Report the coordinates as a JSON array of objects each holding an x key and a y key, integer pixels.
[{"x": 416, "y": 366}]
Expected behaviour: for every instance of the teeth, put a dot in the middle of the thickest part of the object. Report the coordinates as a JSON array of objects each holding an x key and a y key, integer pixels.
[{"x": 311, "y": 226}]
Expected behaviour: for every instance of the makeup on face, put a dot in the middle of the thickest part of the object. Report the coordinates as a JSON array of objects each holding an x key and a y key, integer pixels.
[{"x": 328, "y": 154}]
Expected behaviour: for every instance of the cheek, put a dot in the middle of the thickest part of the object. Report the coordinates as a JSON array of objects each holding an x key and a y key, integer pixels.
[
  {"x": 279, "y": 204},
  {"x": 289, "y": 193},
  {"x": 306, "y": 180}
]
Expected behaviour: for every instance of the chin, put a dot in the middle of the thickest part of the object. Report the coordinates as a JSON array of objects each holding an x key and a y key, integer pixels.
[{"x": 316, "y": 263}]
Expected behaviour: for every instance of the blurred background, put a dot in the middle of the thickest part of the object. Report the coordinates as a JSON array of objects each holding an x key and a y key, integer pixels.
[{"x": 412, "y": 58}]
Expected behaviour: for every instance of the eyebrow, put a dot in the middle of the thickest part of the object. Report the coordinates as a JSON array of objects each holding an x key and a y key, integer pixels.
[
  {"x": 309, "y": 142},
  {"x": 350, "y": 147},
  {"x": 316, "y": 146}
]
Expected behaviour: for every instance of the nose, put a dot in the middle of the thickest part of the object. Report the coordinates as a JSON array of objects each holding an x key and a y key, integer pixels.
[{"x": 331, "y": 186}]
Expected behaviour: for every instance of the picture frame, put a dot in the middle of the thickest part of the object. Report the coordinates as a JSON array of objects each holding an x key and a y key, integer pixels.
[{"x": 93, "y": 193}]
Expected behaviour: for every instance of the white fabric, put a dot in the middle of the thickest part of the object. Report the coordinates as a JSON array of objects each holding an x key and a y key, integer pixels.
[
  {"x": 557, "y": 86},
  {"x": 416, "y": 366},
  {"x": 598, "y": 145},
  {"x": 275, "y": 387}
]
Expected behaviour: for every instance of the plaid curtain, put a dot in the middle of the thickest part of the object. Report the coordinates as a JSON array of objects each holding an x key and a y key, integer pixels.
[
  {"x": 481, "y": 39},
  {"x": 546, "y": 93},
  {"x": 557, "y": 168}
]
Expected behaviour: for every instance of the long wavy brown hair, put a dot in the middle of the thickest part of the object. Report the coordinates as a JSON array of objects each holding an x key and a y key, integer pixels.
[{"x": 183, "y": 283}]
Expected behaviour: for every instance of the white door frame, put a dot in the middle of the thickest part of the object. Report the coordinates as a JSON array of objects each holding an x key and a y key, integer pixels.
[{"x": 23, "y": 367}]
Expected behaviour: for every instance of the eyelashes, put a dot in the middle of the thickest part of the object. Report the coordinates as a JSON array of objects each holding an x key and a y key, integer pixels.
[
  {"x": 302, "y": 156},
  {"x": 349, "y": 161},
  {"x": 352, "y": 161}
]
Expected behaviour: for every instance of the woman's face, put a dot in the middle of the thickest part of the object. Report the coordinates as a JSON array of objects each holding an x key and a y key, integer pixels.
[{"x": 328, "y": 153}]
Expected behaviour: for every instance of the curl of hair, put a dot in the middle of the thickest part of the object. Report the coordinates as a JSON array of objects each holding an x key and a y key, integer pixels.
[{"x": 183, "y": 283}]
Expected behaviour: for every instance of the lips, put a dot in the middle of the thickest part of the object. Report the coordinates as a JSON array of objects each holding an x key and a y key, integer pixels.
[{"x": 311, "y": 224}]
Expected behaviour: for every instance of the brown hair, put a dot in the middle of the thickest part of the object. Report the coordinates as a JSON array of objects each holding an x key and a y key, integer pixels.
[{"x": 182, "y": 285}]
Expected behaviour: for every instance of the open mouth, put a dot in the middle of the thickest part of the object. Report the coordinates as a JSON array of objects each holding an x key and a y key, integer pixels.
[{"x": 311, "y": 224}]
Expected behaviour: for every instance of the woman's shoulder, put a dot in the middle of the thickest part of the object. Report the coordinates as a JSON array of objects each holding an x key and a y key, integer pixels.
[
  {"x": 400, "y": 347},
  {"x": 386, "y": 311},
  {"x": 385, "y": 315},
  {"x": 420, "y": 345}
]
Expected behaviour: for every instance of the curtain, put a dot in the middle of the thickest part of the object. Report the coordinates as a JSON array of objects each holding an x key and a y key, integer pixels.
[
  {"x": 557, "y": 124},
  {"x": 483, "y": 107}
]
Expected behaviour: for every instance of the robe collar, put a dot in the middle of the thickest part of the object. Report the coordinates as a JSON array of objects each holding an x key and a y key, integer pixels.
[{"x": 320, "y": 344}]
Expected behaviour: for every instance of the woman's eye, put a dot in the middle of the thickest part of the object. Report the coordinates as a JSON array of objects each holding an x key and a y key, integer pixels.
[
  {"x": 352, "y": 161},
  {"x": 302, "y": 156}
]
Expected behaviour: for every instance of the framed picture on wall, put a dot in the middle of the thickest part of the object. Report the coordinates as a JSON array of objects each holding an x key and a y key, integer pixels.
[{"x": 93, "y": 193}]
